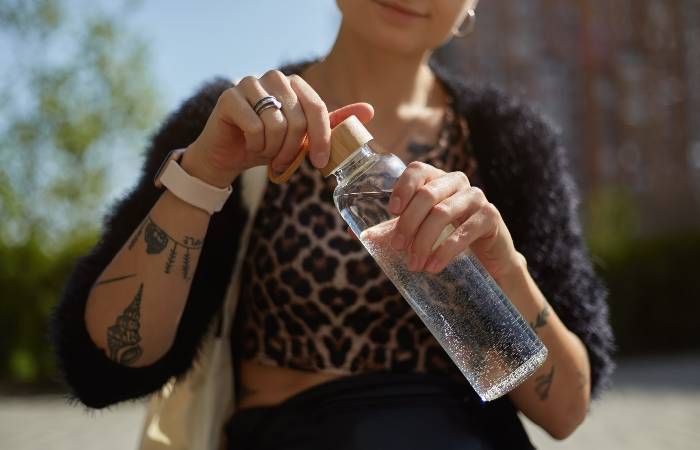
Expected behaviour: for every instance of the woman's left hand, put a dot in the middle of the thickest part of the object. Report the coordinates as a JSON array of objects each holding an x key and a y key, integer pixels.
[{"x": 427, "y": 199}]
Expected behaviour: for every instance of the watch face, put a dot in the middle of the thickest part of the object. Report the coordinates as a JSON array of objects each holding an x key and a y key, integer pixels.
[{"x": 173, "y": 155}]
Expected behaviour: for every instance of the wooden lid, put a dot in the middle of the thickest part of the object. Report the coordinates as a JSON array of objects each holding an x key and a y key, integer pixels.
[{"x": 346, "y": 137}]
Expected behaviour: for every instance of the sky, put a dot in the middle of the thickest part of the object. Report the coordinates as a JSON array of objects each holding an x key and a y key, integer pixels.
[{"x": 192, "y": 41}]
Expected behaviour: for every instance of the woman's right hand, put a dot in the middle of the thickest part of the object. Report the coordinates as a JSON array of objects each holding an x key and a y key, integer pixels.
[{"x": 235, "y": 138}]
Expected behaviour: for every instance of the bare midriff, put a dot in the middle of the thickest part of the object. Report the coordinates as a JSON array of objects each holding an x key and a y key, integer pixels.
[{"x": 264, "y": 384}]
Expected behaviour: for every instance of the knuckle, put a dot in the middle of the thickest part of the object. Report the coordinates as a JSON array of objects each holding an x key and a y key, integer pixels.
[
  {"x": 414, "y": 165},
  {"x": 478, "y": 195},
  {"x": 477, "y": 191},
  {"x": 462, "y": 177},
  {"x": 426, "y": 192},
  {"x": 442, "y": 212},
  {"x": 274, "y": 75},
  {"x": 490, "y": 211},
  {"x": 246, "y": 80},
  {"x": 228, "y": 96}
]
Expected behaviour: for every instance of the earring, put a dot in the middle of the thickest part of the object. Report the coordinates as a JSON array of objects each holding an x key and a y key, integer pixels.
[{"x": 470, "y": 20}]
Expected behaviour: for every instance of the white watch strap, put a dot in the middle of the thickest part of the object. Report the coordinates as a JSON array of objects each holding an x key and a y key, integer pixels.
[{"x": 193, "y": 190}]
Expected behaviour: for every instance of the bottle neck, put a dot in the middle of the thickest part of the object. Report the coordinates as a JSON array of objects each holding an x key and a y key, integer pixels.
[{"x": 354, "y": 164}]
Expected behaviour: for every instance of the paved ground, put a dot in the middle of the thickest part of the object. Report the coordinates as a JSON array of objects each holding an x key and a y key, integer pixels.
[{"x": 655, "y": 405}]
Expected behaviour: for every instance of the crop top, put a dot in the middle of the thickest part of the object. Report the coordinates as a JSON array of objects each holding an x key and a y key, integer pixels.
[
  {"x": 514, "y": 146},
  {"x": 312, "y": 298}
]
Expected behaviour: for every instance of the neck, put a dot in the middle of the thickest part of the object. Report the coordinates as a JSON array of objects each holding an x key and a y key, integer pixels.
[{"x": 396, "y": 84}]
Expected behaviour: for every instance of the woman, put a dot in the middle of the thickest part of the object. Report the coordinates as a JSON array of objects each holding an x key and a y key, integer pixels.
[{"x": 326, "y": 351}]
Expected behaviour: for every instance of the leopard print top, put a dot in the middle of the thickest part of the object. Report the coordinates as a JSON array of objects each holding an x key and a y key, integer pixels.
[{"x": 312, "y": 297}]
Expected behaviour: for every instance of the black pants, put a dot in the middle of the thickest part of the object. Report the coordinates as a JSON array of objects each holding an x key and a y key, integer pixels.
[{"x": 380, "y": 410}]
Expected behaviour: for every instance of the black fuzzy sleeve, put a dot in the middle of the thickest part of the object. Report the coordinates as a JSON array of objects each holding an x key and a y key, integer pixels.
[
  {"x": 525, "y": 173},
  {"x": 93, "y": 378}
]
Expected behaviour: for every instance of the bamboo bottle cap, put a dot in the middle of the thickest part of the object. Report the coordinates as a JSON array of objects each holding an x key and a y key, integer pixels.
[{"x": 346, "y": 137}]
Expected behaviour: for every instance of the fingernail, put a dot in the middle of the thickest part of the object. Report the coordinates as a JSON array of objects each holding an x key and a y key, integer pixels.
[
  {"x": 320, "y": 160},
  {"x": 394, "y": 205},
  {"x": 280, "y": 169},
  {"x": 398, "y": 242}
]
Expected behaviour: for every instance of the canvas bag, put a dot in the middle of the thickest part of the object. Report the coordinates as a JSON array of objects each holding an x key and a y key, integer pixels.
[{"x": 189, "y": 414}]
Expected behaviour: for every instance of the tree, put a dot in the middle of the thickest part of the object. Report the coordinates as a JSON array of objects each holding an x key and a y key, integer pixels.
[{"x": 76, "y": 97}]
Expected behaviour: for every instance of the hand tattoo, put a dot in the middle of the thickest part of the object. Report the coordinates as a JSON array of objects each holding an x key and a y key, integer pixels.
[
  {"x": 158, "y": 240},
  {"x": 541, "y": 319},
  {"x": 543, "y": 383},
  {"x": 123, "y": 337}
]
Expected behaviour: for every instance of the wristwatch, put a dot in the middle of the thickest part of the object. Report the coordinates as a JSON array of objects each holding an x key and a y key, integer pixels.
[{"x": 187, "y": 188}]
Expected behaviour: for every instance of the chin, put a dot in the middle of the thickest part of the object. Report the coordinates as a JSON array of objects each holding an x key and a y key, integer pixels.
[
  {"x": 391, "y": 39},
  {"x": 377, "y": 30}
]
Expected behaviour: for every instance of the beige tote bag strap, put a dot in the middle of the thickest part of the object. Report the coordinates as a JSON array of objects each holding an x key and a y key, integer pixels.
[{"x": 190, "y": 414}]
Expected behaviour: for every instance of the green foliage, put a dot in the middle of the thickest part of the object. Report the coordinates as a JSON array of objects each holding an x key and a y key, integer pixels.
[
  {"x": 39, "y": 16},
  {"x": 654, "y": 289},
  {"x": 612, "y": 220},
  {"x": 30, "y": 280},
  {"x": 652, "y": 279},
  {"x": 77, "y": 92}
]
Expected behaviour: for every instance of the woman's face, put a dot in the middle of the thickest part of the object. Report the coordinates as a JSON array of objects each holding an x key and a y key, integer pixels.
[{"x": 422, "y": 25}]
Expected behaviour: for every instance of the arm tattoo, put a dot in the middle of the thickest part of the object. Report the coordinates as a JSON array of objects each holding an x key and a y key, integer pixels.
[
  {"x": 123, "y": 337},
  {"x": 157, "y": 240},
  {"x": 541, "y": 319},
  {"x": 138, "y": 233},
  {"x": 112, "y": 280},
  {"x": 543, "y": 383}
]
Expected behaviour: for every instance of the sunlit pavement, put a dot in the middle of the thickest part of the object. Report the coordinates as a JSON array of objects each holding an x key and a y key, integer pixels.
[{"x": 655, "y": 404}]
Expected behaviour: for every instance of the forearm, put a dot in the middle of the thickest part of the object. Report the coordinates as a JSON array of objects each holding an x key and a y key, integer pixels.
[
  {"x": 556, "y": 396},
  {"x": 134, "y": 307}
]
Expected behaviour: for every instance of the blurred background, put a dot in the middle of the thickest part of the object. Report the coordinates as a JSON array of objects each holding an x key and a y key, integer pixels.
[{"x": 83, "y": 84}]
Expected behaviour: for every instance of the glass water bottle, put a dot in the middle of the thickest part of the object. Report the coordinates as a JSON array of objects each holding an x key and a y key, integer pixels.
[{"x": 462, "y": 306}]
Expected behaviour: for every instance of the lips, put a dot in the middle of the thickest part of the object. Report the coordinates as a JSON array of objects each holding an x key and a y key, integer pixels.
[{"x": 401, "y": 8}]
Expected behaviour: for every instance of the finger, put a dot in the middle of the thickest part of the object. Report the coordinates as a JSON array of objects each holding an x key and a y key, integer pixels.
[
  {"x": 318, "y": 127},
  {"x": 236, "y": 111},
  {"x": 272, "y": 118},
  {"x": 363, "y": 111},
  {"x": 482, "y": 224},
  {"x": 422, "y": 186},
  {"x": 279, "y": 85},
  {"x": 454, "y": 210},
  {"x": 320, "y": 121},
  {"x": 415, "y": 176}
]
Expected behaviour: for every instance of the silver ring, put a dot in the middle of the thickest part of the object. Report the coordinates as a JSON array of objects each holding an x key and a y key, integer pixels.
[{"x": 269, "y": 101}]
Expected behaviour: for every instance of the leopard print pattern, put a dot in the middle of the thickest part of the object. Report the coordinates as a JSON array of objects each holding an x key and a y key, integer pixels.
[{"x": 312, "y": 298}]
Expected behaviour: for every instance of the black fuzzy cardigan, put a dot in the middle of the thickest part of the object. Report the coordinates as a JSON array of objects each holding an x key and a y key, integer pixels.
[{"x": 524, "y": 173}]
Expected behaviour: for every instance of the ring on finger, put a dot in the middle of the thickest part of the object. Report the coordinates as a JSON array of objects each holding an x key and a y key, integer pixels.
[{"x": 269, "y": 101}]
